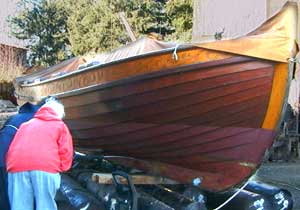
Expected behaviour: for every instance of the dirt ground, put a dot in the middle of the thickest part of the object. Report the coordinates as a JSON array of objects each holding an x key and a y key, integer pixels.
[{"x": 285, "y": 175}]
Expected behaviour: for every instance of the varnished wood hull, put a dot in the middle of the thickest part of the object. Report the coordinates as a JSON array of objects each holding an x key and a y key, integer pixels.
[{"x": 208, "y": 119}]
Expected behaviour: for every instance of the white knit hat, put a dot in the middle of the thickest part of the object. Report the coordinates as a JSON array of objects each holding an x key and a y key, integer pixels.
[{"x": 56, "y": 106}]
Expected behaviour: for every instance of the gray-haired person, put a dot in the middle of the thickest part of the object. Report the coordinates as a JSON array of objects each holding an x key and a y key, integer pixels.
[{"x": 41, "y": 149}]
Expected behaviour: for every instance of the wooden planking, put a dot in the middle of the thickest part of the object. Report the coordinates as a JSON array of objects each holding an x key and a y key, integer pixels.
[
  {"x": 134, "y": 119},
  {"x": 219, "y": 151},
  {"x": 157, "y": 81},
  {"x": 220, "y": 74},
  {"x": 120, "y": 70},
  {"x": 154, "y": 144},
  {"x": 110, "y": 119},
  {"x": 213, "y": 116},
  {"x": 201, "y": 137},
  {"x": 222, "y": 179},
  {"x": 140, "y": 138},
  {"x": 180, "y": 138},
  {"x": 203, "y": 104},
  {"x": 157, "y": 96},
  {"x": 175, "y": 111},
  {"x": 156, "y": 131},
  {"x": 177, "y": 103},
  {"x": 120, "y": 128},
  {"x": 161, "y": 133},
  {"x": 214, "y": 145}
]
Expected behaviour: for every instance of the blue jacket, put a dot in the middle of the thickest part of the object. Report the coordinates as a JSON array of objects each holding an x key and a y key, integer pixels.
[{"x": 9, "y": 129}]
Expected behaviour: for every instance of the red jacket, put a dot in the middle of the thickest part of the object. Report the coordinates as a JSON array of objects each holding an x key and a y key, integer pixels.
[{"x": 44, "y": 143}]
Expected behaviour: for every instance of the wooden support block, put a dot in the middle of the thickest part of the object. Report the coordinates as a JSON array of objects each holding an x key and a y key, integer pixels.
[{"x": 105, "y": 178}]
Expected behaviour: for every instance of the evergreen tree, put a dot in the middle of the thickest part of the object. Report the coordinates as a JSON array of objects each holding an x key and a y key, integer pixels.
[
  {"x": 43, "y": 25},
  {"x": 94, "y": 26},
  {"x": 147, "y": 16},
  {"x": 181, "y": 14},
  {"x": 56, "y": 29}
]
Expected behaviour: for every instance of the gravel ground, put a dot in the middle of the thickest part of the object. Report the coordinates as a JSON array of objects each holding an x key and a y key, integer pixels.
[{"x": 284, "y": 175}]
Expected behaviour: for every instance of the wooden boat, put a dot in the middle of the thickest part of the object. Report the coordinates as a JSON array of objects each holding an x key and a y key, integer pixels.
[{"x": 200, "y": 113}]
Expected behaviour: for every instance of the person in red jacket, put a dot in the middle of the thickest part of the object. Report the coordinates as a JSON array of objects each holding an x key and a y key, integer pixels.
[{"x": 41, "y": 148}]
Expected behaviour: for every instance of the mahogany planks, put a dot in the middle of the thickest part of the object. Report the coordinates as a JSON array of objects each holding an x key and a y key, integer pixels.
[{"x": 201, "y": 117}]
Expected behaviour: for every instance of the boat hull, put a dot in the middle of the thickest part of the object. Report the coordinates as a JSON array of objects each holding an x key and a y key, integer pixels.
[
  {"x": 185, "y": 112},
  {"x": 204, "y": 122},
  {"x": 211, "y": 118}
]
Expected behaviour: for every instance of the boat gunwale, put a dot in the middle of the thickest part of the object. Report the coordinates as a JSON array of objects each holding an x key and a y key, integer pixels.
[
  {"x": 135, "y": 78},
  {"x": 35, "y": 75},
  {"x": 90, "y": 68}
]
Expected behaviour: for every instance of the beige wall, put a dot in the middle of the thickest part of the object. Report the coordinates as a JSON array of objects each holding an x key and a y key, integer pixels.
[
  {"x": 7, "y": 8},
  {"x": 274, "y": 6},
  {"x": 238, "y": 17}
]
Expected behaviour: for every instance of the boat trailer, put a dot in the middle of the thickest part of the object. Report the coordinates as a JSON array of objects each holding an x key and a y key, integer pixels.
[{"x": 95, "y": 183}]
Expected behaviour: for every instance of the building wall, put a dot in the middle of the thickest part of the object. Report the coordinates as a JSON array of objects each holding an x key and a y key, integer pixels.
[
  {"x": 12, "y": 51},
  {"x": 237, "y": 17},
  {"x": 8, "y": 8},
  {"x": 11, "y": 66},
  {"x": 12, "y": 62},
  {"x": 274, "y": 6}
]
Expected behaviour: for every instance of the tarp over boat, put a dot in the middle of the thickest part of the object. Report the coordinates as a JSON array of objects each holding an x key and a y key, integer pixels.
[
  {"x": 273, "y": 40},
  {"x": 139, "y": 47}
]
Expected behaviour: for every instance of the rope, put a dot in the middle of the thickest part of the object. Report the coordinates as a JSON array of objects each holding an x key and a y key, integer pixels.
[
  {"x": 233, "y": 196},
  {"x": 174, "y": 55}
]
